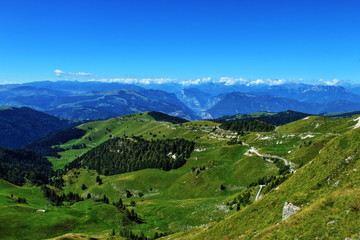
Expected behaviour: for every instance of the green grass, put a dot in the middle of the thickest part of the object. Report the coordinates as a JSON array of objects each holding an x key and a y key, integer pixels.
[
  {"x": 22, "y": 221},
  {"x": 190, "y": 202},
  {"x": 327, "y": 189},
  {"x": 180, "y": 198},
  {"x": 181, "y": 187}
]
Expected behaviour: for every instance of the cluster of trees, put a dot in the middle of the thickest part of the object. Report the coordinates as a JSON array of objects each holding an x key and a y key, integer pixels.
[
  {"x": 78, "y": 146},
  {"x": 283, "y": 118},
  {"x": 57, "y": 179},
  {"x": 305, "y": 144},
  {"x": 159, "y": 116},
  {"x": 283, "y": 169},
  {"x": 280, "y": 118},
  {"x": 19, "y": 166},
  {"x": 120, "y": 155},
  {"x": 249, "y": 125},
  {"x": 130, "y": 216},
  {"x": 58, "y": 200},
  {"x": 18, "y": 199},
  {"x": 44, "y": 145},
  {"x": 270, "y": 182},
  {"x": 198, "y": 169},
  {"x": 241, "y": 200},
  {"x": 132, "y": 236},
  {"x": 234, "y": 141},
  {"x": 98, "y": 180}
]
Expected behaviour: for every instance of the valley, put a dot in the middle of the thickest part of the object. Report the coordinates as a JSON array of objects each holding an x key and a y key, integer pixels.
[
  {"x": 179, "y": 120},
  {"x": 220, "y": 183}
]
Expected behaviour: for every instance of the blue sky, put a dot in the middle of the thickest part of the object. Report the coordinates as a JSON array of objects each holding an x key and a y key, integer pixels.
[{"x": 181, "y": 40}]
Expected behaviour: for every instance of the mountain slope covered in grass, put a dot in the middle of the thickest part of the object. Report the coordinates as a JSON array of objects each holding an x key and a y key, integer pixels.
[
  {"x": 326, "y": 190},
  {"x": 232, "y": 185}
]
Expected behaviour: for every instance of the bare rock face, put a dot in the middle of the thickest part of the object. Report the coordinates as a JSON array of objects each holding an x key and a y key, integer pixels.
[{"x": 288, "y": 210}]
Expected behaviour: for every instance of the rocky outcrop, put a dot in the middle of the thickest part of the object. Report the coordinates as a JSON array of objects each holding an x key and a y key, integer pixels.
[{"x": 288, "y": 210}]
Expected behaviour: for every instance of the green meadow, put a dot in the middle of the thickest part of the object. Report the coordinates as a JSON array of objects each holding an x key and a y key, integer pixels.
[{"x": 194, "y": 201}]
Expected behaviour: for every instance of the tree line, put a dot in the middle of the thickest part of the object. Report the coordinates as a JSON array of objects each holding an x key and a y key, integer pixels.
[
  {"x": 19, "y": 166},
  {"x": 58, "y": 200},
  {"x": 120, "y": 155},
  {"x": 249, "y": 125},
  {"x": 44, "y": 145}
]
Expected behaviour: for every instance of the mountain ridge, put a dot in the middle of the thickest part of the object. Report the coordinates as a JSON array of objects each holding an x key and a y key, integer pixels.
[{"x": 20, "y": 126}]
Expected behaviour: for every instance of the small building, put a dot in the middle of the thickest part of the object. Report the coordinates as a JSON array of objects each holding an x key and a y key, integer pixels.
[{"x": 40, "y": 210}]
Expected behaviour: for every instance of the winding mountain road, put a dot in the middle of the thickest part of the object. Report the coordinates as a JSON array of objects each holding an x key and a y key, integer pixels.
[{"x": 255, "y": 151}]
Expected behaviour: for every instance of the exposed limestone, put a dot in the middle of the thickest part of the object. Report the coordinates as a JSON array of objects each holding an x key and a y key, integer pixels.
[{"x": 288, "y": 210}]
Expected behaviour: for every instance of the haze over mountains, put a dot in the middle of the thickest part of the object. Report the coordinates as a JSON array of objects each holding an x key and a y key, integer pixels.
[{"x": 101, "y": 100}]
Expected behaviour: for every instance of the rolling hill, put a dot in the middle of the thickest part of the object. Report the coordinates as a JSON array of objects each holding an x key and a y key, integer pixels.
[
  {"x": 310, "y": 163},
  {"x": 327, "y": 201}
]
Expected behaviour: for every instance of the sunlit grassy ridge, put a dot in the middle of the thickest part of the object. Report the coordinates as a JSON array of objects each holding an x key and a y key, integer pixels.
[
  {"x": 326, "y": 189},
  {"x": 140, "y": 124}
]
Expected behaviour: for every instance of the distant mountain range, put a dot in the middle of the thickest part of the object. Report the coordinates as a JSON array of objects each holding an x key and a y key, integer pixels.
[
  {"x": 98, "y": 100},
  {"x": 79, "y": 101},
  {"x": 234, "y": 103}
]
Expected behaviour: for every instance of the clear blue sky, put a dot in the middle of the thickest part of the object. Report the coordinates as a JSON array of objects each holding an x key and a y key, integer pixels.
[{"x": 182, "y": 39}]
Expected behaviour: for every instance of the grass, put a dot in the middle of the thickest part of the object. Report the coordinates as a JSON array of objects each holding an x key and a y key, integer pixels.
[
  {"x": 199, "y": 194},
  {"x": 22, "y": 221},
  {"x": 326, "y": 189},
  {"x": 188, "y": 200}
]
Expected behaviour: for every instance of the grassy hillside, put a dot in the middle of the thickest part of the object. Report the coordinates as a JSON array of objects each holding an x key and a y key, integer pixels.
[
  {"x": 140, "y": 124},
  {"x": 23, "y": 222},
  {"x": 204, "y": 198},
  {"x": 326, "y": 190}
]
